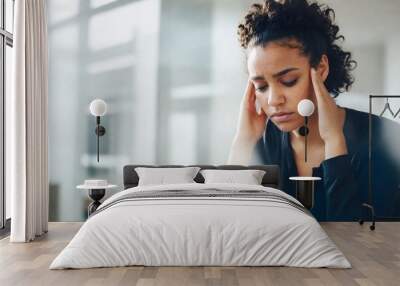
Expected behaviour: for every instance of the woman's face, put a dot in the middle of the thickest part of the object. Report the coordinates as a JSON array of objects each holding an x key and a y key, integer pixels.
[{"x": 281, "y": 77}]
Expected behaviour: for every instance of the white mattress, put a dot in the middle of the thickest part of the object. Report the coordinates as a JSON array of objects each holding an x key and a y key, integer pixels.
[{"x": 200, "y": 231}]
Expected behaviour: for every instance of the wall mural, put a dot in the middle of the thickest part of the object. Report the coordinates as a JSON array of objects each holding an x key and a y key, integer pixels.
[{"x": 199, "y": 82}]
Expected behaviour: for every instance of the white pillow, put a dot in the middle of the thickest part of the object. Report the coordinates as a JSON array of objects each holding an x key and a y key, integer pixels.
[
  {"x": 162, "y": 176},
  {"x": 248, "y": 177}
]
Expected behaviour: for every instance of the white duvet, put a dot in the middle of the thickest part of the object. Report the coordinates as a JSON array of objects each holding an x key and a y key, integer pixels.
[{"x": 200, "y": 231}]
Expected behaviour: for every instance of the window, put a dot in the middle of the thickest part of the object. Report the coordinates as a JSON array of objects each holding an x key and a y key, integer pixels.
[{"x": 6, "y": 44}]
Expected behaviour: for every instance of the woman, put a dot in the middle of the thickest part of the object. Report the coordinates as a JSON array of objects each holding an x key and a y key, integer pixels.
[{"x": 292, "y": 55}]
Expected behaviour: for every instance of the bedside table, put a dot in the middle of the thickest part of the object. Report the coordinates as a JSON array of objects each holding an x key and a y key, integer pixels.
[
  {"x": 305, "y": 190},
  {"x": 96, "y": 191}
]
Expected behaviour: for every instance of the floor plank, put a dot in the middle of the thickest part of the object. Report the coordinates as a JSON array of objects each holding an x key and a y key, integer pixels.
[{"x": 374, "y": 255}]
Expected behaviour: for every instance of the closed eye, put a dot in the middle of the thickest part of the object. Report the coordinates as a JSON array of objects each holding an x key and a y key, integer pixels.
[
  {"x": 289, "y": 83},
  {"x": 262, "y": 88}
]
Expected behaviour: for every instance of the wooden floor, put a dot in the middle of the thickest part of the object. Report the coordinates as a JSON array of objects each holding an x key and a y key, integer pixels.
[{"x": 375, "y": 257}]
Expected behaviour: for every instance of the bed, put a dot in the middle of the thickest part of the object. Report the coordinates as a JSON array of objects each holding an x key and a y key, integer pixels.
[{"x": 201, "y": 224}]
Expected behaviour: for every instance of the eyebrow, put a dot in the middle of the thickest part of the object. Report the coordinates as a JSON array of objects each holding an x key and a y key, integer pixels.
[{"x": 278, "y": 74}]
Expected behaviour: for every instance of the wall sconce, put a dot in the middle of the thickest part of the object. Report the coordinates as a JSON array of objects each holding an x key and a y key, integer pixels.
[
  {"x": 98, "y": 108},
  {"x": 305, "y": 109}
]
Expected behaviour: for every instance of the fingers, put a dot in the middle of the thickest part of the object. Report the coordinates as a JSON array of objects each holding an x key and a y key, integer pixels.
[
  {"x": 321, "y": 93},
  {"x": 258, "y": 106},
  {"x": 250, "y": 96},
  {"x": 316, "y": 82},
  {"x": 253, "y": 105}
]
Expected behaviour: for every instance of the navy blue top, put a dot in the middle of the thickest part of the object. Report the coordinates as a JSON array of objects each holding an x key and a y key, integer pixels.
[{"x": 344, "y": 184}]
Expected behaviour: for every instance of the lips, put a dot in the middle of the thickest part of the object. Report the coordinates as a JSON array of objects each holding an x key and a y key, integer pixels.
[{"x": 282, "y": 116}]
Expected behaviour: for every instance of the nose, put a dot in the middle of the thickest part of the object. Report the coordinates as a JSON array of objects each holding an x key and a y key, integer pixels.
[{"x": 275, "y": 97}]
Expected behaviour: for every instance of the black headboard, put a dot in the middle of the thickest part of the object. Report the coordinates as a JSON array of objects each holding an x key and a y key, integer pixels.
[{"x": 270, "y": 179}]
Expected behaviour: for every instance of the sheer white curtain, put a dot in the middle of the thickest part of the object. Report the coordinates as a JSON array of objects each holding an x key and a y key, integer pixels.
[{"x": 26, "y": 121}]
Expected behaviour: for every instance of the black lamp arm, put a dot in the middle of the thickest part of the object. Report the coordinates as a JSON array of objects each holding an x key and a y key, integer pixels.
[
  {"x": 100, "y": 131},
  {"x": 305, "y": 139}
]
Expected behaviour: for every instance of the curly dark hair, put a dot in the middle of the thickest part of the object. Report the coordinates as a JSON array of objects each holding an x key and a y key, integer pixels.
[{"x": 311, "y": 26}]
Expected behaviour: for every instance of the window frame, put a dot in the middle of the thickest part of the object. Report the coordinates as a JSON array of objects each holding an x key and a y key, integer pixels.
[{"x": 6, "y": 39}]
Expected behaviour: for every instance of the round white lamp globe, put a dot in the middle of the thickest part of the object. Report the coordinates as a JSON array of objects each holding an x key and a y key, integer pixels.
[
  {"x": 305, "y": 107},
  {"x": 98, "y": 107}
]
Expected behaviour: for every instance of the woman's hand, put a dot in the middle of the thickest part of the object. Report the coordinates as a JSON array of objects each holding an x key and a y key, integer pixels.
[
  {"x": 251, "y": 125},
  {"x": 330, "y": 119},
  {"x": 250, "y": 128}
]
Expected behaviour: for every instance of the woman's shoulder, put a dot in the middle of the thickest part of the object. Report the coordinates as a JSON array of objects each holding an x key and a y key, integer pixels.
[
  {"x": 357, "y": 126},
  {"x": 356, "y": 116},
  {"x": 360, "y": 119}
]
